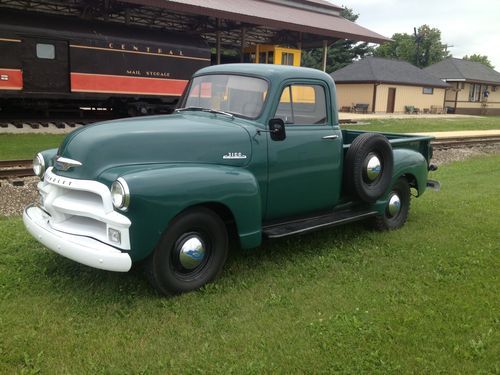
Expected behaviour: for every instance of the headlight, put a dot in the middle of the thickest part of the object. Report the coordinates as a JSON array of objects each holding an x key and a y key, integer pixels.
[
  {"x": 39, "y": 165},
  {"x": 120, "y": 194}
]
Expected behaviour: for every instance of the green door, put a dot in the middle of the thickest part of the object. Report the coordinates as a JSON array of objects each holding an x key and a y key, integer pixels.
[{"x": 305, "y": 168}]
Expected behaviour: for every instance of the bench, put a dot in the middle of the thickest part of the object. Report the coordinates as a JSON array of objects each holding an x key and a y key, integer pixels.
[
  {"x": 360, "y": 108},
  {"x": 410, "y": 109},
  {"x": 436, "y": 110}
]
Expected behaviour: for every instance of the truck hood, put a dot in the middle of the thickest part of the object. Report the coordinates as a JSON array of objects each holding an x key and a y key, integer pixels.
[{"x": 178, "y": 138}]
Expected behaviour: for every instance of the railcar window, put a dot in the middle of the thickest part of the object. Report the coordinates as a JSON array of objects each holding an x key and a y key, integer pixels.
[{"x": 45, "y": 51}]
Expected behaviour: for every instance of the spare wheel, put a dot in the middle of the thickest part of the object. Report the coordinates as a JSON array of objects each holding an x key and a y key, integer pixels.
[{"x": 368, "y": 167}]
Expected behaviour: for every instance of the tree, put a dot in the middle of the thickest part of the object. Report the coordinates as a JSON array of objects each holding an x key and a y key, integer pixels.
[
  {"x": 483, "y": 59},
  {"x": 340, "y": 53},
  {"x": 423, "y": 48}
]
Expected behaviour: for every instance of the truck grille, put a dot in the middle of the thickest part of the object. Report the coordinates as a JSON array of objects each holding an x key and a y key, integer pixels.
[{"x": 82, "y": 208}]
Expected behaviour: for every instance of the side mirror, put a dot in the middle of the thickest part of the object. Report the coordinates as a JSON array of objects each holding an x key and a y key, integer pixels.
[{"x": 277, "y": 129}]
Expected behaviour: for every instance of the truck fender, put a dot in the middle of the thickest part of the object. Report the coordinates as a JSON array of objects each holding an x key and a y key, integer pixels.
[
  {"x": 409, "y": 164},
  {"x": 413, "y": 165},
  {"x": 160, "y": 193}
]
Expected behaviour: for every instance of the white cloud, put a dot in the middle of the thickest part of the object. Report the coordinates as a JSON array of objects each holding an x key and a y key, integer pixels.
[{"x": 469, "y": 26}]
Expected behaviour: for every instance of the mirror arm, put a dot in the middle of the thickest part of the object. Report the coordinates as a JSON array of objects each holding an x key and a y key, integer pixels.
[{"x": 259, "y": 131}]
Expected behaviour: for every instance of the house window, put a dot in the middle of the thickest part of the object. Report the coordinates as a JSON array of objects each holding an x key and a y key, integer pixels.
[
  {"x": 428, "y": 90},
  {"x": 474, "y": 92},
  {"x": 45, "y": 51}
]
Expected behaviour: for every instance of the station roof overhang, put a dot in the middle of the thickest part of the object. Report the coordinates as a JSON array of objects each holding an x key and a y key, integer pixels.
[
  {"x": 228, "y": 23},
  {"x": 311, "y": 21}
]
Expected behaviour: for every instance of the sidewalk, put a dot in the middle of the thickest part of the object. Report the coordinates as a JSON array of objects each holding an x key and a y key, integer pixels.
[
  {"x": 463, "y": 134},
  {"x": 382, "y": 116}
]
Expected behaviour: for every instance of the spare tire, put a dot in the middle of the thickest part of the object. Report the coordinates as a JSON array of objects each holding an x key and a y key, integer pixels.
[{"x": 368, "y": 167}]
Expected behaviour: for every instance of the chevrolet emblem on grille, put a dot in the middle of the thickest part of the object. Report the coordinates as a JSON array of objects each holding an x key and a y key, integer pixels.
[{"x": 63, "y": 164}]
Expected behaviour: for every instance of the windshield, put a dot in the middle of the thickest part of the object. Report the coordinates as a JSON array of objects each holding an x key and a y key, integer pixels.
[{"x": 237, "y": 95}]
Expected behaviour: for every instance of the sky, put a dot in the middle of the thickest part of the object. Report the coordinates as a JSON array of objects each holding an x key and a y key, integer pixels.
[{"x": 467, "y": 26}]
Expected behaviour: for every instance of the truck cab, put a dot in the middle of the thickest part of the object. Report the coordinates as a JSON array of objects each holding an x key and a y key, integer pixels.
[{"x": 253, "y": 151}]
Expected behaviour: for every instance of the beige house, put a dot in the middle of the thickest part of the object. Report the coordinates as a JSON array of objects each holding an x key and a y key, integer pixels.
[
  {"x": 388, "y": 86},
  {"x": 474, "y": 88}
]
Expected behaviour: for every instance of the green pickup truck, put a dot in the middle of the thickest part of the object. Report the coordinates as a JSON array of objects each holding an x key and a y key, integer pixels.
[{"x": 253, "y": 151}]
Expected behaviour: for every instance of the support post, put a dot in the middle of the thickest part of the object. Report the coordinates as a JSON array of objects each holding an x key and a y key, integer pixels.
[
  {"x": 325, "y": 54},
  {"x": 299, "y": 46},
  {"x": 243, "y": 42},
  {"x": 217, "y": 46},
  {"x": 374, "y": 102}
]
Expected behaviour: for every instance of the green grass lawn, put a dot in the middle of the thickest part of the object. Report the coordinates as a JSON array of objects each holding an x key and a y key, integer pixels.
[
  {"x": 424, "y": 299},
  {"x": 428, "y": 125},
  {"x": 25, "y": 146}
]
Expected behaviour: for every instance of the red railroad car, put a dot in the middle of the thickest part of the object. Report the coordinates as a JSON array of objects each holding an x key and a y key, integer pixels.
[{"x": 58, "y": 63}]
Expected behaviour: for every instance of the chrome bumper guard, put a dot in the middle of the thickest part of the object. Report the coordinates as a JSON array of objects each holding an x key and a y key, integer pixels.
[{"x": 81, "y": 249}]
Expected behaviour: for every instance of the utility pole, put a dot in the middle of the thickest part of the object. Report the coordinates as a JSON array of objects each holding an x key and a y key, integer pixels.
[{"x": 417, "y": 41}]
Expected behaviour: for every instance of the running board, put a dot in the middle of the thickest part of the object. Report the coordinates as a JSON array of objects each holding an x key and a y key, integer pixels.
[{"x": 302, "y": 226}]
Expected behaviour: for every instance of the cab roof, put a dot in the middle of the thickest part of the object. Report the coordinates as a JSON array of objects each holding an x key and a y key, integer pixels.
[{"x": 268, "y": 71}]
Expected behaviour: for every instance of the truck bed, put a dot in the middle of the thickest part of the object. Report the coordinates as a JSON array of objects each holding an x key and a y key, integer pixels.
[{"x": 418, "y": 143}]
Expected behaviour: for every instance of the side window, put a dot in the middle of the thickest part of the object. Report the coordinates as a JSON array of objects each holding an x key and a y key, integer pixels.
[
  {"x": 302, "y": 104},
  {"x": 45, "y": 51},
  {"x": 287, "y": 58}
]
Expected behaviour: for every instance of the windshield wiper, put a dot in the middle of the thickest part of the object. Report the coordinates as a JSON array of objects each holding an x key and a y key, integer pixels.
[
  {"x": 189, "y": 109},
  {"x": 209, "y": 110}
]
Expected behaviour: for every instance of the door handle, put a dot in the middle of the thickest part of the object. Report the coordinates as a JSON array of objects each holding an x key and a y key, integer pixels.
[{"x": 330, "y": 137}]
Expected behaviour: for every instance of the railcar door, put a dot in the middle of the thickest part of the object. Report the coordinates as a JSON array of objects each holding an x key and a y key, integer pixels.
[{"x": 45, "y": 65}]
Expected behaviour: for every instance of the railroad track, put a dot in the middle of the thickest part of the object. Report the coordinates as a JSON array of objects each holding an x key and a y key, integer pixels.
[
  {"x": 461, "y": 142},
  {"x": 44, "y": 124},
  {"x": 16, "y": 168},
  {"x": 10, "y": 169}
]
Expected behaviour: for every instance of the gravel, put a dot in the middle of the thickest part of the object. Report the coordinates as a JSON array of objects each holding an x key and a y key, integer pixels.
[
  {"x": 14, "y": 198},
  {"x": 445, "y": 156}
]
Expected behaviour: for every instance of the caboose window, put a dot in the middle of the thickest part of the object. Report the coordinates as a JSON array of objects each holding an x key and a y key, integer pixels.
[{"x": 45, "y": 51}]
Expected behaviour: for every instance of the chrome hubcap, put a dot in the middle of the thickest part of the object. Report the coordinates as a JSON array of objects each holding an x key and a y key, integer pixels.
[
  {"x": 394, "y": 205},
  {"x": 192, "y": 252},
  {"x": 373, "y": 168}
]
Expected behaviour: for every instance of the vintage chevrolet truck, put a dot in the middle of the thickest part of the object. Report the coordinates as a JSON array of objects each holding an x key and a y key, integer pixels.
[{"x": 252, "y": 151}]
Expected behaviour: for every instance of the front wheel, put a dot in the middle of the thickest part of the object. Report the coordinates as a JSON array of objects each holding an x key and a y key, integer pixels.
[
  {"x": 397, "y": 209},
  {"x": 190, "y": 254}
]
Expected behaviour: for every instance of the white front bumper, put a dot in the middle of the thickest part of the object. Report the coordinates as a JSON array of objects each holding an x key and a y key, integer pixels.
[{"x": 81, "y": 249}]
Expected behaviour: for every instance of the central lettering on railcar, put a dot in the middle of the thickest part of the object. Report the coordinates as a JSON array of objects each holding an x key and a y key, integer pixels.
[{"x": 145, "y": 49}]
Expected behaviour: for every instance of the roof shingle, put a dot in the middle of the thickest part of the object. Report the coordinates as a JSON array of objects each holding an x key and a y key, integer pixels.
[
  {"x": 381, "y": 70},
  {"x": 459, "y": 69}
]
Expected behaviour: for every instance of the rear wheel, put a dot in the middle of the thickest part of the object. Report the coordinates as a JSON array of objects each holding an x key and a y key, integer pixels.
[
  {"x": 397, "y": 209},
  {"x": 190, "y": 254}
]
